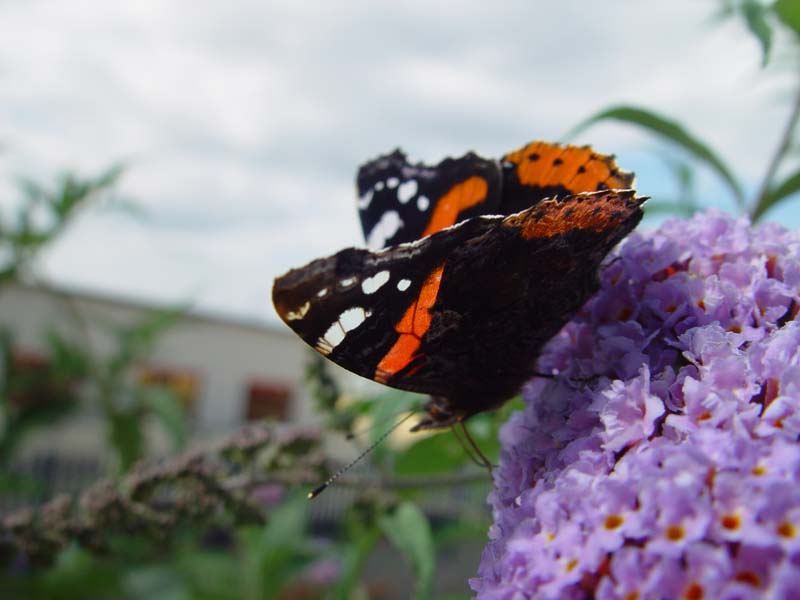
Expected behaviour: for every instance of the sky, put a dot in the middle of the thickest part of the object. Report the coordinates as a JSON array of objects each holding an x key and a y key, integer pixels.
[{"x": 241, "y": 124}]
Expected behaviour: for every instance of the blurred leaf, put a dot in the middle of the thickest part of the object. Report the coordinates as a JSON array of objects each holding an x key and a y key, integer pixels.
[
  {"x": 407, "y": 528},
  {"x": 156, "y": 580},
  {"x": 126, "y": 438},
  {"x": 355, "y": 554},
  {"x": 136, "y": 341},
  {"x": 76, "y": 191},
  {"x": 387, "y": 409},
  {"x": 275, "y": 554},
  {"x": 75, "y": 576},
  {"x": 211, "y": 574},
  {"x": 789, "y": 12},
  {"x": 674, "y": 207},
  {"x": 164, "y": 404},
  {"x": 670, "y": 130},
  {"x": 685, "y": 203},
  {"x": 755, "y": 15},
  {"x": 790, "y": 186},
  {"x": 43, "y": 215},
  {"x": 69, "y": 361},
  {"x": 438, "y": 453}
]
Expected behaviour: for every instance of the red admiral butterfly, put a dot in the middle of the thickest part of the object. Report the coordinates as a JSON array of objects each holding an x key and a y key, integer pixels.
[{"x": 482, "y": 262}]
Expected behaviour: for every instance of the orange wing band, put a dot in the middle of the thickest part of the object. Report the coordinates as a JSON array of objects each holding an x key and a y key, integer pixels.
[
  {"x": 465, "y": 195},
  {"x": 413, "y": 325}
]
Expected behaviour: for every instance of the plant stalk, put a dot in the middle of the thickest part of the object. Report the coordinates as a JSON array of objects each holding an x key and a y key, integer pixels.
[{"x": 761, "y": 202}]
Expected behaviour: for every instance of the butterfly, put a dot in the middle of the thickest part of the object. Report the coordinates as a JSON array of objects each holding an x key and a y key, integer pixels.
[{"x": 473, "y": 266}]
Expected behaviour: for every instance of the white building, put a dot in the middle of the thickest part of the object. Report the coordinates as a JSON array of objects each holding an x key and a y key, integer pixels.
[{"x": 225, "y": 370}]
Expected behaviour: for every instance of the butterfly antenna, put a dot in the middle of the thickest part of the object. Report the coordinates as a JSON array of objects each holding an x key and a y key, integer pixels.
[
  {"x": 318, "y": 490},
  {"x": 354, "y": 434}
]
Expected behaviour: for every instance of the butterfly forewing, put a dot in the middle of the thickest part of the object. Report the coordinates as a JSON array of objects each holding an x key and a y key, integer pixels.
[
  {"x": 349, "y": 306},
  {"x": 462, "y": 313}
]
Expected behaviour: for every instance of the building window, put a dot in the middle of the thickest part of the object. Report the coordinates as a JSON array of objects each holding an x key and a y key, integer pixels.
[
  {"x": 267, "y": 401},
  {"x": 183, "y": 384},
  {"x": 33, "y": 383}
]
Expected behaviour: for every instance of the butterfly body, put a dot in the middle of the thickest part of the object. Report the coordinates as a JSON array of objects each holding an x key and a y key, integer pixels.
[{"x": 463, "y": 313}]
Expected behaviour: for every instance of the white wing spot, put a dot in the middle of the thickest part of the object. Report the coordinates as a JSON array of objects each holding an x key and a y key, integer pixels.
[
  {"x": 392, "y": 182},
  {"x": 363, "y": 201},
  {"x": 352, "y": 318},
  {"x": 372, "y": 284},
  {"x": 333, "y": 337},
  {"x": 423, "y": 203},
  {"x": 384, "y": 229},
  {"x": 347, "y": 282},
  {"x": 403, "y": 284},
  {"x": 407, "y": 190},
  {"x": 296, "y": 315},
  {"x": 347, "y": 321},
  {"x": 379, "y": 186}
]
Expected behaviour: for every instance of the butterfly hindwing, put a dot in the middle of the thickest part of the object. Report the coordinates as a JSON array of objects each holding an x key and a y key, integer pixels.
[{"x": 401, "y": 202}]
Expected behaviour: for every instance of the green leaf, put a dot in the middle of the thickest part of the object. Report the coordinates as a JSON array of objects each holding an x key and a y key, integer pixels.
[
  {"x": 164, "y": 404},
  {"x": 274, "y": 554},
  {"x": 438, "y": 453},
  {"x": 126, "y": 438},
  {"x": 672, "y": 131},
  {"x": 790, "y": 186},
  {"x": 408, "y": 530},
  {"x": 69, "y": 361},
  {"x": 674, "y": 207},
  {"x": 355, "y": 555},
  {"x": 788, "y": 11},
  {"x": 755, "y": 15},
  {"x": 210, "y": 574}
]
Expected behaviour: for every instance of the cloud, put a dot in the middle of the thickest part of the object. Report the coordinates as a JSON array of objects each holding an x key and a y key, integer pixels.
[{"x": 243, "y": 123}]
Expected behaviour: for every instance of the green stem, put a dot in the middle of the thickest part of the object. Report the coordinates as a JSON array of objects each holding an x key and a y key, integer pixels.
[{"x": 762, "y": 198}]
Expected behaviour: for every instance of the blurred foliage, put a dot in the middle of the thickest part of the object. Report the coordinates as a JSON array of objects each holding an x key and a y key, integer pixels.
[
  {"x": 37, "y": 390},
  {"x": 234, "y": 522},
  {"x": 762, "y": 20},
  {"x": 189, "y": 528},
  {"x": 43, "y": 215}
]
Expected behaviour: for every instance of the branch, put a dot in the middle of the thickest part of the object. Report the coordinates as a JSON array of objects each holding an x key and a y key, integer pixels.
[{"x": 156, "y": 498}]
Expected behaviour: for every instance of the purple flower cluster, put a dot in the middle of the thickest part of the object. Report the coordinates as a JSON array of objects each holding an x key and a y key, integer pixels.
[{"x": 663, "y": 461}]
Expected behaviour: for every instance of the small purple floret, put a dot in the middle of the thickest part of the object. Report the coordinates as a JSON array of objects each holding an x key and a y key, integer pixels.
[{"x": 674, "y": 471}]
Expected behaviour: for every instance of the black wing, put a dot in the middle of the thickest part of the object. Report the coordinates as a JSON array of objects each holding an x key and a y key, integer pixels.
[
  {"x": 401, "y": 202},
  {"x": 464, "y": 312}
]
